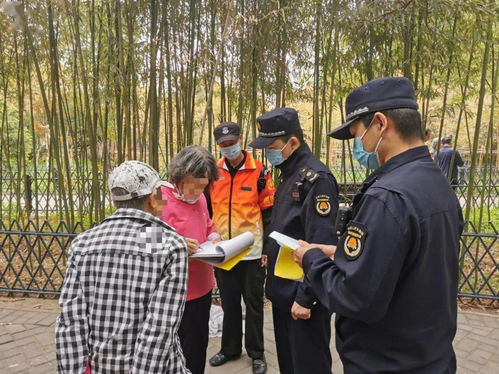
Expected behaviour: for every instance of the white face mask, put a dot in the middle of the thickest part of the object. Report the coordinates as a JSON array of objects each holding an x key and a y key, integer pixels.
[{"x": 181, "y": 197}]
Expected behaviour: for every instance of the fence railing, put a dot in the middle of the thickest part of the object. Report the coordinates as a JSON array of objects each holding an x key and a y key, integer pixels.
[
  {"x": 479, "y": 265},
  {"x": 38, "y": 194},
  {"x": 33, "y": 260}
]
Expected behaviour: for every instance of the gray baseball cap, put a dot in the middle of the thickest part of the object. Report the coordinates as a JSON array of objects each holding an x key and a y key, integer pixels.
[{"x": 136, "y": 178}]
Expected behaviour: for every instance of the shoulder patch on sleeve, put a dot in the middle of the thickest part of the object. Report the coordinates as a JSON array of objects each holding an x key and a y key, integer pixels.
[
  {"x": 322, "y": 204},
  {"x": 354, "y": 241}
]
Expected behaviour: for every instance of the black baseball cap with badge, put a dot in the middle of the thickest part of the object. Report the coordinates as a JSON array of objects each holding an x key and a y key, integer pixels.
[
  {"x": 227, "y": 131},
  {"x": 374, "y": 96},
  {"x": 274, "y": 124}
]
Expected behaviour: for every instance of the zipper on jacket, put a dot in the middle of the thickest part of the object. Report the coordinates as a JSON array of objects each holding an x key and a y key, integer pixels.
[{"x": 230, "y": 205}]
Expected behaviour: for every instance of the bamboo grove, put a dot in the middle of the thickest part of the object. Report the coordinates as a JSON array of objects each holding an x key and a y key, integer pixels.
[{"x": 85, "y": 85}]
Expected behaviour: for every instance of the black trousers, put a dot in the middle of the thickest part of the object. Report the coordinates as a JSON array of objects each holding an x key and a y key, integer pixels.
[
  {"x": 303, "y": 345},
  {"x": 193, "y": 332},
  {"x": 243, "y": 280}
]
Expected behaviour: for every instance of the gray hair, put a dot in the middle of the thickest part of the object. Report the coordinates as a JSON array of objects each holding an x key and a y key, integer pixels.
[
  {"x": 133, "y": 203},
  {"x": 195, "y": 161}
]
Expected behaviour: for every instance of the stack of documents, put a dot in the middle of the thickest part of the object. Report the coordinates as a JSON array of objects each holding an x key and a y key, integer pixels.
[{"x": 225, "y": 254}]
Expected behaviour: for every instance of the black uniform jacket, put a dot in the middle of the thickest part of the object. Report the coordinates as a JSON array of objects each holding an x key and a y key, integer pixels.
[
  {"x": 305, "y": 206},
  {"x": 393, "y": 282}
]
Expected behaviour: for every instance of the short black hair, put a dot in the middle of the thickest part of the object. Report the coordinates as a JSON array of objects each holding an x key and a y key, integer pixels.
[
  {"x": 133, "y": 203},
  {"x": 297, "y": 134},
  {"x": 407, "y": 121}
]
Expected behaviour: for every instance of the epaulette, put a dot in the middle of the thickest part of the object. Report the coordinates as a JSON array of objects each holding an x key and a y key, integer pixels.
[{"x": 309, "y": 174}]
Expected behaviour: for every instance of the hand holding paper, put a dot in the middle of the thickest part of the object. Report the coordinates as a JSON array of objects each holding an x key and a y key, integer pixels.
[
  {"x": 285, "y": 266},
  {"x": 192, "y": 245},
  {"x": 225, "y": 254},
  {"x": 304, "y": 247}
]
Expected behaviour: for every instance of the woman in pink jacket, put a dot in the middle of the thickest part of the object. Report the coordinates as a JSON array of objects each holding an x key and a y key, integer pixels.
[{"x": 190, "y": 172}]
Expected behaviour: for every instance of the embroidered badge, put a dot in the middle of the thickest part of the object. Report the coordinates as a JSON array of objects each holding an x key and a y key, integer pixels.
[
  {"x": 357, "y": 111},
  {"x": 354, "y": 242},
  {"x": 322, "y": 205},
  {"x": 225, "y": 130}
]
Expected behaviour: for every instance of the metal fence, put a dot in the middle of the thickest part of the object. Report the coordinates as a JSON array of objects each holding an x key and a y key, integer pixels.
[
  {"x": 479, "y": 266},
  {"x": 33, "y": 257},
  {"x": 33, "y": 260},
  {"x": 485, "y": 186},
  {"x": 37, "y": 195}
]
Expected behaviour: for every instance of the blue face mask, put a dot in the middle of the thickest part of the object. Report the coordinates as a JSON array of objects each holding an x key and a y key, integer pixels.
[
  {"x": 275, "y": 155},
  {"x": 366, "y": 159},
  {"x": 369, "y": 160},
  {"x": 231, "y": 152}
]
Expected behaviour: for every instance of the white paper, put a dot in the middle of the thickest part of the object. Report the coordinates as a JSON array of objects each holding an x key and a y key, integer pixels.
[
  {"x": 284, "y": 240},
  {"x": 217, "y": 253},
  {"x": 209, "y": 249}
]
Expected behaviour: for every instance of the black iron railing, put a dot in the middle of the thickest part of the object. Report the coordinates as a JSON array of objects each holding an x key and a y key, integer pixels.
[
  {"x": 38, "y": 194},
  {"x": 33, "y": 257},
  {"x": 33, "y": 260},
  {"x": 479, "y": 265}
]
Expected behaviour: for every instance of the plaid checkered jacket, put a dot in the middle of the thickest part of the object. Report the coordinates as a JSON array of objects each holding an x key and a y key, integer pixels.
[{"x": 123, "y": 297}]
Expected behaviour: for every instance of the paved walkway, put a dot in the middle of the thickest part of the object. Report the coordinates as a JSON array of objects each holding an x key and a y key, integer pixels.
[{"x": 27, "y": 341}]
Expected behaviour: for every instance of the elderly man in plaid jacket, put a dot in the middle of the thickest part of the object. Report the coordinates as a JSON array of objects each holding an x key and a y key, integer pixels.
[{"x": 124, "y": 291}]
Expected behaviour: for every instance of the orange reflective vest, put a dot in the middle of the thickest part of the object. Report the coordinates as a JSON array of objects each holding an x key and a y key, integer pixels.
[{"x": 237, "y": 204}]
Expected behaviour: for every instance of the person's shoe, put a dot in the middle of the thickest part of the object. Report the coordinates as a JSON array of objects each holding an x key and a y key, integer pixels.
[
  {"x": 259, "y": 366},
  {"x": 220, "y": 359}
]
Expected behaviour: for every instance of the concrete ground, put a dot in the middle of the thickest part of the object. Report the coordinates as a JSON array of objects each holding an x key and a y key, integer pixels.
[{"x": 27, "y": 341}]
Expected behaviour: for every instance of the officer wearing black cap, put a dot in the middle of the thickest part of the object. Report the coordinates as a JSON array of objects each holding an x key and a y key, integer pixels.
[
  {"x": 393, "y": 280},
  {"x": 241, "y": 201},
  {"x": 305, "y": 207}
]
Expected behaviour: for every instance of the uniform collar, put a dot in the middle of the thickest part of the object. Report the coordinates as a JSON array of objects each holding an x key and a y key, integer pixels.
[
  {"x": 397, "y": 161},
  {"x": 138, "y": 215},
  {"x": 249, "y": 163},
  {"x": 392, "y": 164},
  {"x": 292, "y": 162}
]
